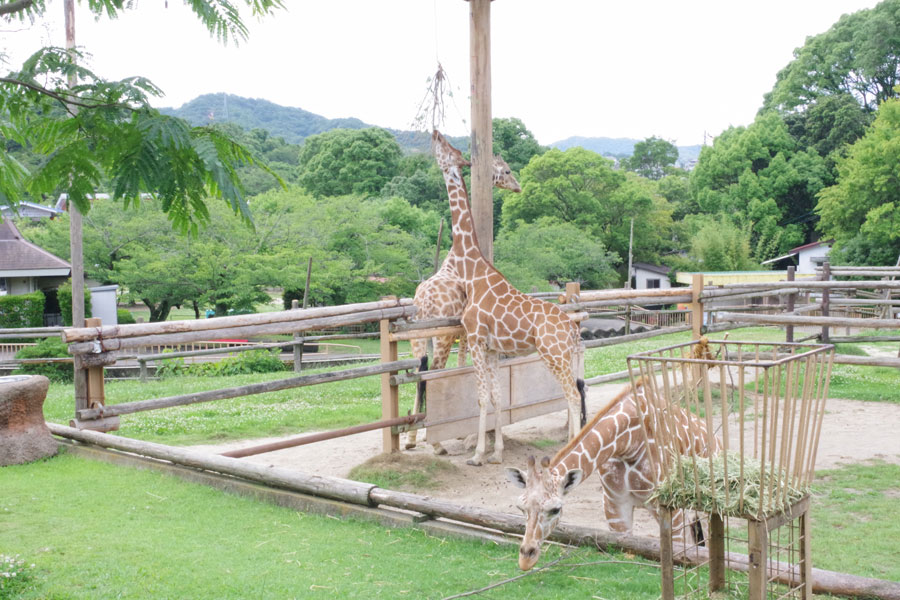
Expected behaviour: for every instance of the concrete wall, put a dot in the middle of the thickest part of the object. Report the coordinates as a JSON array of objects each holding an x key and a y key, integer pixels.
[{"x": 642, "y": 277}]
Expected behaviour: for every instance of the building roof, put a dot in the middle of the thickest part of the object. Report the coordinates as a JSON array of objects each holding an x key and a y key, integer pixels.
[
  {"x": 21, "y": 258},
  {"x": 726, "y": 277},
  {"x": 813, "y": 245},
  {"x": 29, "y": 209},
  {"x": 651, "y": 267}
]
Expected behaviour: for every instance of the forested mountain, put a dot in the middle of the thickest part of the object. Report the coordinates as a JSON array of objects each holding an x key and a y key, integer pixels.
[
  {"x": 619, "y": 147},
  {"x": 291, "y": 123}
]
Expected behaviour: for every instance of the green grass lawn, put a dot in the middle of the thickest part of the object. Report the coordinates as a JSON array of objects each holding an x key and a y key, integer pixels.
[{"x": 97, "y": 531}]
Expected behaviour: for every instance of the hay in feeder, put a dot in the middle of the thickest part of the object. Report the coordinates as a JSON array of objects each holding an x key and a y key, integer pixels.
[{"x": 702, "y": 485}]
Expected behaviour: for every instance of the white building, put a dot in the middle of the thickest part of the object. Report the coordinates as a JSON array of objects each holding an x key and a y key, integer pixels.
[{"x": 647, "y": 276}]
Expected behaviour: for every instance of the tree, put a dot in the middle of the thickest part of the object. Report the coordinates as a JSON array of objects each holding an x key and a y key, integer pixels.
[
  {"x": 101, "y": 132},
  {"x": 515, "y": 143},
  {"x": 349, "y": 161},
  {"x": 651, "y": 157},
  {"x": 862, "y": 210},
  {"x": 859, "y": 55},
  {"x": 719, "y": 245},
  {"x": 764, "y": 180},
  {"x": 581, "y": 187},
  {"x": 547, "y": 251}
]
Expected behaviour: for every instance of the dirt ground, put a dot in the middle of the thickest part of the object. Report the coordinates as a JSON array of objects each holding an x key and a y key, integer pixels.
[{"x": 852, "y": 432}]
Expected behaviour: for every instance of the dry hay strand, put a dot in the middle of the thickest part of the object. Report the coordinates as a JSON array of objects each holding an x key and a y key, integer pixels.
[
  {"x": 403, "y": 471},
  {"x": 432, "y": 110},
  {"x": 708, "y": 492}
]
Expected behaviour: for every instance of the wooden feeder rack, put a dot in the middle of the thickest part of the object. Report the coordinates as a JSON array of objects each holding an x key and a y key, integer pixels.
[{"x": 762, "y": 405}]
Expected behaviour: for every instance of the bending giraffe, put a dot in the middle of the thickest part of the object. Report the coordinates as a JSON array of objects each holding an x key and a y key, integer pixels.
[
  {"x": 614, "y": 445},
  {"x": 443, "y": 295},
  {"x": 500, "y": 319}
]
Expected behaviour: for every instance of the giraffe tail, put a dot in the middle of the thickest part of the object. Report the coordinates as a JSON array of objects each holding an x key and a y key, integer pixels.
[
  {"x": 420, "y": 387},
  {"x": 581, "y": 392}
]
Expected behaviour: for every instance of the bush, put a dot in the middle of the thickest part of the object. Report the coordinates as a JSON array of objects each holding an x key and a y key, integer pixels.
[
  {"x": 47, "y": 348},
  {"x": 64, "y": 296},
  {"x": 252, "y": 361},
  {"x": 124, "y": 316},
  {"x": 24, "y": 310}
]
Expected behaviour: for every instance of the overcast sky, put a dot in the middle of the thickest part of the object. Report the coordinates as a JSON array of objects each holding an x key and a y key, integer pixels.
[{"x": 632, "y": 68}]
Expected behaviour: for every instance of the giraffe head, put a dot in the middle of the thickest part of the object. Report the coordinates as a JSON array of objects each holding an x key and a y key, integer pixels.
[
  {"x": 541, "y": 503},
  {"x": 503, "y": 177},
  {"x": 446, "y": 155}
]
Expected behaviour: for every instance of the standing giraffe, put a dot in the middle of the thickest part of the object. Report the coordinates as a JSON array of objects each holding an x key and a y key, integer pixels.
[
  {"x": 613, "y": 444},
  {"x": 443, "y": 295},
  {"x": 500, "y": 319}
]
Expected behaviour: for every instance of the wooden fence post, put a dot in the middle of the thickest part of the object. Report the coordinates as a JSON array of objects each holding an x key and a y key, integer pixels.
[
  {"x": 390, "y": 394},
  {"x": 298, "y": 348},
  {"x": 697, "y": 306},
  {"x": 96, "y": 396},
  {"x": 789, "y": 330},
  {"x": 826, "y": 276}
]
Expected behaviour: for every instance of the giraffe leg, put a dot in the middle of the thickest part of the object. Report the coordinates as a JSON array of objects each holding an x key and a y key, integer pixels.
[
  {"x": 482, "y": 376},
  {"x": 442, "y": 346},
  {"x": 619, "y": 510},
  {"x": 463, "y": 351},
  {"x": 493, "y": 359},
  {"x": 419, "y": 349}
]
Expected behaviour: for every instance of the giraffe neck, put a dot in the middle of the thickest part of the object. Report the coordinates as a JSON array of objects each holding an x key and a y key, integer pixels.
[
  {"x": 465, "y": 242},
  {"x": 612, "y": 433}
]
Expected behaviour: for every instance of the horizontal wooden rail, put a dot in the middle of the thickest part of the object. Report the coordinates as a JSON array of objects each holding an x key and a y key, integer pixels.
[
  {"x": 805, "y": 284},
  {"x": 815, "y": 321},
  {"x": 322, "y": 436},
  {"x": 296, "y": 326},
  {"x": 244, "y": 390},
  {"x": 84, "y": 334},
  {"x": 657, "y": 294}
]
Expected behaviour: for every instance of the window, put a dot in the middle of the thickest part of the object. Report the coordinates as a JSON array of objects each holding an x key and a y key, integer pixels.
[
  {"x": 652, "y": 283},
  {"x": 2, "y": 286}
]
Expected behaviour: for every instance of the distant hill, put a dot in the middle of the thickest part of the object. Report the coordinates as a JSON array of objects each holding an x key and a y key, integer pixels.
[
  {"x": 292, "y": 124},
  {"x": 620, "y": 147},
  {"x": 295, "y": 125}
]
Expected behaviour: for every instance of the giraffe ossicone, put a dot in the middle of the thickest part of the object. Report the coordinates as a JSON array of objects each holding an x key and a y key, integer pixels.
[
  {"x": 499, "y": 319},
  {"x": 615, "y": 444}
]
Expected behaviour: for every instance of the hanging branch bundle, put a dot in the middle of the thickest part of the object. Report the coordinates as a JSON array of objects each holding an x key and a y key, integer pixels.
[{"x": 432, "y": 110}]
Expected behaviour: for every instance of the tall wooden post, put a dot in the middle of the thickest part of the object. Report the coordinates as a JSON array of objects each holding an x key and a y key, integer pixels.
[
  {"x": 826, "y": 300},
  {"x": 96, "y": 394},
  {"x": 390, "y": 394},
  {"x": 482, "y": 130},
  {"x": 696, "y": 306},
  {"x": 76, "y": 252},
  {"x": 791, "y": 299},
  {"x": 298, "y": 348}
]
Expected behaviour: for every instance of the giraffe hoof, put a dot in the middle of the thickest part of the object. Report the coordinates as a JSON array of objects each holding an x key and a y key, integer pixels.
[
  {"x": 409, "y": 445},
  {"x": 439, "y": 450},
  {"x": 475, "y": 461},
  {"x": 495, "y": 459}
]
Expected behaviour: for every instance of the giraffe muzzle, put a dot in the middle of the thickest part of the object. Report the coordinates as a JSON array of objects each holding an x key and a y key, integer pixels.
[{"x": 528, "y": 556}]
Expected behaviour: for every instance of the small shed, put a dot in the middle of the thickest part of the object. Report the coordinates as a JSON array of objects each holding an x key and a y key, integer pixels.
[
  {"x": 29, "y": 210},
  {"x": 812, "y": 255},
  {"x": 649, "y": 276}
]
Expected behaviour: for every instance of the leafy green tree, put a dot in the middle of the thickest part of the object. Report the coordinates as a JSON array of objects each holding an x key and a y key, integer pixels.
[
  {"x": 581, "y": 187},
  {"x": 420, "y": 183},
  {"x": 547, "y": 251},
  {"x": 859, "y": 55},
  {"x": 515, "y": 143},
  {"x": 349, "y": 161},
  {"x": 651, "y": 157},
  {"x": 862, "y": 210},
  {"x": 103, "y": 132},
  {"x": 720, "y": 245},
  {"x": 828, "y": 125},
  {"x": 762, "y": 178}
]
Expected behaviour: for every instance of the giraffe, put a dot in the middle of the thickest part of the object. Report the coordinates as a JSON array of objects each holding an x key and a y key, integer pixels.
[
  {"x": 443, "y": 295},
  {"x": 500, "y": 319},
  {"x": 613, "y": 444}
]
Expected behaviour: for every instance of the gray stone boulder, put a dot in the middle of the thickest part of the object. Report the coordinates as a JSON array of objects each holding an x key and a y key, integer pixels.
[{"x": 24, "y": 436}]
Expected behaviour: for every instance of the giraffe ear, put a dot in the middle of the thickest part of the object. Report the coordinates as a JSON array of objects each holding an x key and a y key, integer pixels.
[
  {"x": 571, "y": 480},
  {"x": 516, "y": 476}
]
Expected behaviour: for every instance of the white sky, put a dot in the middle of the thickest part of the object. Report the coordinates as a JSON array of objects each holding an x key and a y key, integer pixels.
[{"x": 631, "y": 68}]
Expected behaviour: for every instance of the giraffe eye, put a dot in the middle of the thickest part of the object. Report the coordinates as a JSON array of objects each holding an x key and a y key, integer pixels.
[{"x": 553, "y": 512}]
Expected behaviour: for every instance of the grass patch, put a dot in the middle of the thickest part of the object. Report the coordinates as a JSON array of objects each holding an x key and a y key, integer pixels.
[
  {"x": 98, "y": 531},
  {"x": 408, "y": 472},
  {"x": 854, "y": 525},
  {"x": 850, "y": 349},
  {"x": 543, "y": 444}
]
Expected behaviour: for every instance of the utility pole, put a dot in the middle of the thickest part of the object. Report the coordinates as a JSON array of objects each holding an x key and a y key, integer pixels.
[
  {"x": 628, "y": 277},
  {"x": 482, "y": 127}
]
